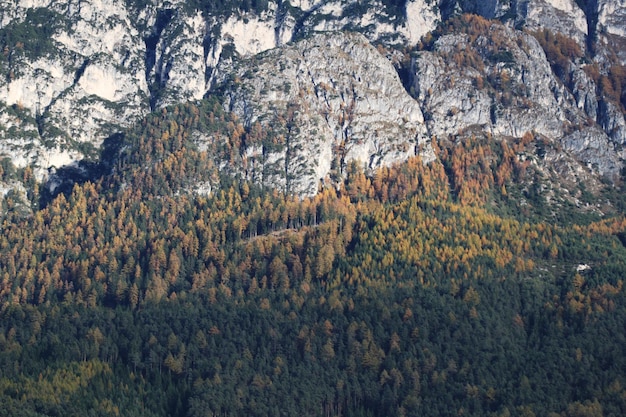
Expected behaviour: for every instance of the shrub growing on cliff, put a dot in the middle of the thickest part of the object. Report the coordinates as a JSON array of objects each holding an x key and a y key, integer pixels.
[{"x": 560, "y": 50}]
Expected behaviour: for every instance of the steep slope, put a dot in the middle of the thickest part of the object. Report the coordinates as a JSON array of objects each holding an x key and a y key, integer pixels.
[
  {"x": 607, "y": 20},
  {"x": 75, "y": 74},
  {"x": 499, "y": 80},
  {"x": 321, "y": 103},
  {"x": 398, "y": 295},
  {"x": 202, "y": 272},
  {"x": 595, "y": 23}
]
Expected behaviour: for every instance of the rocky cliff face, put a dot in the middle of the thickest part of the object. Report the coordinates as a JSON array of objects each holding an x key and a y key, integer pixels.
[
  {"x": 609, "y": 27},
  {"x": 75, "y": 73},
  {"x": 326, "y": 100},
  {"x": 102, "y": 64},
  {"x": 499, "y": 80}
]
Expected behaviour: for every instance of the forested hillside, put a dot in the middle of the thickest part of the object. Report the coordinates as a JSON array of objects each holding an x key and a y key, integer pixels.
[{"x": 461, "y": 287}]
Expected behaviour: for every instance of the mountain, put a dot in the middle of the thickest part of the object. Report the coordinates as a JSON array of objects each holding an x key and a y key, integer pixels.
[
  {"x": 170, "y": 286},
  {"x": 496, "y": 80},
  {"x": 102, "y": 65},
  {"x": 312, "y": 208},
  {"x": 319, "y": 101}
]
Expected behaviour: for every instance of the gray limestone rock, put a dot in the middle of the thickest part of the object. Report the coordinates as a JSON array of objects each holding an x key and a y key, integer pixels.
[
  {"x": 503, "y": 83},
  {"x": 327, "y": 100},
  {"x": 67, "y": 92},
  {"x": 100, "y": 65}
]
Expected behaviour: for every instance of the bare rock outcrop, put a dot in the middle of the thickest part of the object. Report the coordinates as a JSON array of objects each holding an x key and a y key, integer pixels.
[
  {"x": 501, "y": 81},
  {"x": 327, "y": 100}
]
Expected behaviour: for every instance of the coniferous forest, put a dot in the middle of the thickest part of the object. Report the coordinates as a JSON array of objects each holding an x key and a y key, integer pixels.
[{"x": 449, "y": 288}]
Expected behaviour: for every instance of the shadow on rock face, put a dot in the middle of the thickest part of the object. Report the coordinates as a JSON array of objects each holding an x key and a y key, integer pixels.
[{"x": 62, "y": 180}]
